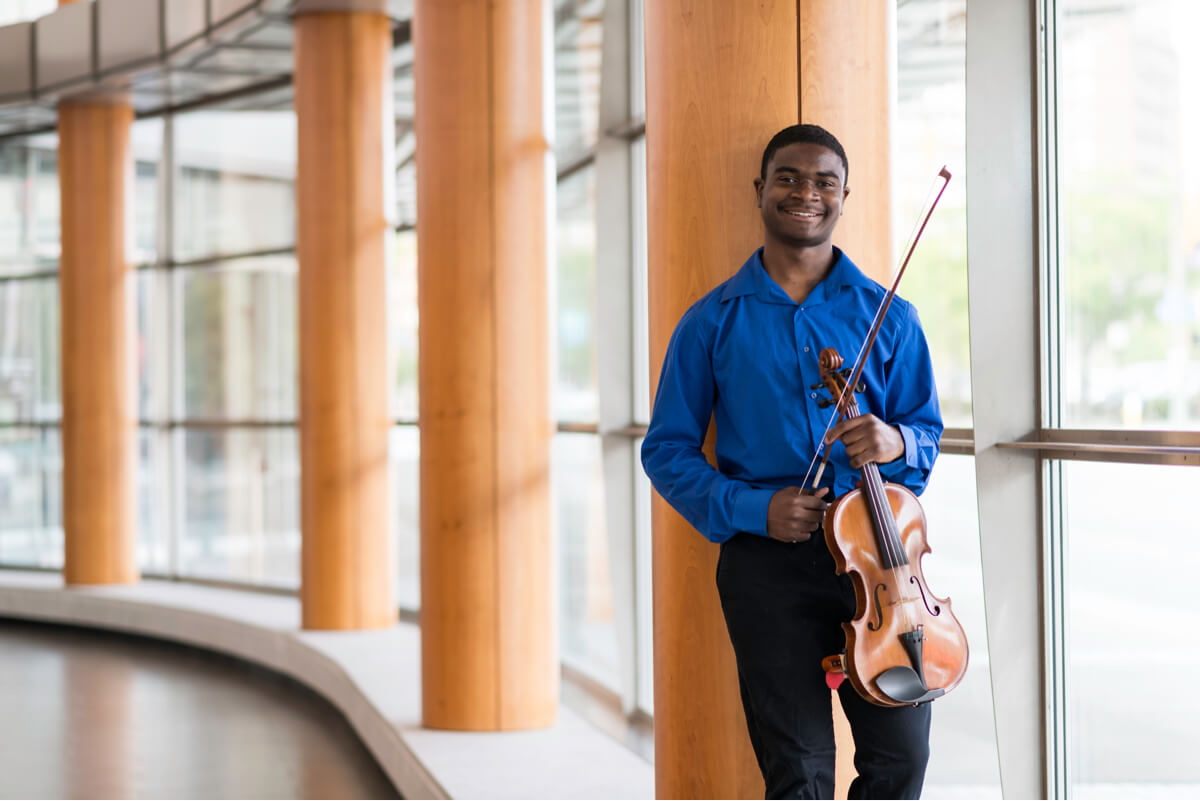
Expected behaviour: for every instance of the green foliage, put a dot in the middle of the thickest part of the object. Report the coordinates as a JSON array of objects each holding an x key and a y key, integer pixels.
[
  {"x": 936, "y": 283},
  {"x": 1115, "y": 265},
  {"x": 1115, "y": 257}
]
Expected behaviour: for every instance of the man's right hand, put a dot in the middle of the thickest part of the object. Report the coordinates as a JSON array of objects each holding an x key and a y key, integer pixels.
[{"x": 793, "y": 515}]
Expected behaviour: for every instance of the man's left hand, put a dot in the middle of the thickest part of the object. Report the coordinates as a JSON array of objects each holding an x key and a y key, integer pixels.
[{"x": 868, "y": 439}]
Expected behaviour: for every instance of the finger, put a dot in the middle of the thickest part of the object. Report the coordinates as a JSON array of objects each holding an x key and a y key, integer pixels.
[
  {"x": 850, "y": 424},
  {"x": 862, "y": 453},
  {"x": 808, "y": 505}
]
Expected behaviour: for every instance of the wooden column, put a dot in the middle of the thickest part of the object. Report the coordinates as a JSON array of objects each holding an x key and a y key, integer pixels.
[
  {"x": 342, "y": 86},
  {"x": 99, "y": 406},
  {"x": 720, "y": 81},
  {"x": 845, "y": 79},
  {"x": 487, "y": 643}
]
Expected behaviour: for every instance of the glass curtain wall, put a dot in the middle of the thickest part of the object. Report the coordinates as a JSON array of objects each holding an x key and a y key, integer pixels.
[
  {"x": 1123, "y": 357},
  {"x": 30, "y": 411},
  {"x": 587, "y": 615},
  {"x": 220, "y": 468}
]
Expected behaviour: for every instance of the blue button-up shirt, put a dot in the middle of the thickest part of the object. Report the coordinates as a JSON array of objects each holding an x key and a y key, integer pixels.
[{"x": 746, "y": 355}]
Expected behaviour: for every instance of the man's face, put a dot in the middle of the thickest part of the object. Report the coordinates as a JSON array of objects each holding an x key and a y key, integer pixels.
[{"x": 802, "y": 195}]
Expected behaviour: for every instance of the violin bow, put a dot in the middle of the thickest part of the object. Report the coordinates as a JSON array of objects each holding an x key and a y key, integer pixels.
[{"x": 931, "y": 201}]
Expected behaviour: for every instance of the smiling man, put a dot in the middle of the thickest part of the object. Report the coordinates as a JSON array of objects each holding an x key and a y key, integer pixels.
[{"x": 746, "y": 355}]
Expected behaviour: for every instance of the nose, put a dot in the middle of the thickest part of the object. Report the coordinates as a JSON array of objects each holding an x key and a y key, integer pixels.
[{"x": 804, "y": 188}]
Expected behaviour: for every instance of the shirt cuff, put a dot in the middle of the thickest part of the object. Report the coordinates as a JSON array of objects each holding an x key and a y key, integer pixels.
[
  {"x": 750, "y": 510},
  {"x": 912, "y": 454}
]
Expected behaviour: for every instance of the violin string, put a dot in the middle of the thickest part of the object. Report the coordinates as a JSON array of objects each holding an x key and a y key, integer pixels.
[
  {"x": 877, "y": 497},
  {"x": 894, "y": 547},
  {"x": 889, "y": 537}
]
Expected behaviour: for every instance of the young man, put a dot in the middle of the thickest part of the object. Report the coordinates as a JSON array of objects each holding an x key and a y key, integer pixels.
[{"x": 746, "y": 354}]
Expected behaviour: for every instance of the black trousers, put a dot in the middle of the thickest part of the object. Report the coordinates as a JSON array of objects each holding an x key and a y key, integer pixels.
[{"x": 784, "y": 606}]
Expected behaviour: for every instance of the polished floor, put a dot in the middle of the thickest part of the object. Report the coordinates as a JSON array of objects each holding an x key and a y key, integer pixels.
[{"x": 86, "y": 714}]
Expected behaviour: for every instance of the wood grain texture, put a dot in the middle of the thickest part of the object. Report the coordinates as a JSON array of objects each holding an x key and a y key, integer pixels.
[
  {"x": 845, "y": 78},
  {"x": 99, "y": 405},
  {"x": 342, "y": 78},
  {"x": 720, "y": 81},
  {"x": 489, "y": 657}
]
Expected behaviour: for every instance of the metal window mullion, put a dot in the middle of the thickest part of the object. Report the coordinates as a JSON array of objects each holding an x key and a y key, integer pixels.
[
  {"x": 1055, "y": 550},
  {"x": 1051, "y": 374}
]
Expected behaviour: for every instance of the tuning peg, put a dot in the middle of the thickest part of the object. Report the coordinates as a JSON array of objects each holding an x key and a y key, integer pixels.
[
  {"x": 817, "y": 385},
  {"x": 824, "y": 403}
]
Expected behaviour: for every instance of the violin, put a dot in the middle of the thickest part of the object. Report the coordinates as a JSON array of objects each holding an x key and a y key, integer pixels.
[{"x": 904, "y": 646}]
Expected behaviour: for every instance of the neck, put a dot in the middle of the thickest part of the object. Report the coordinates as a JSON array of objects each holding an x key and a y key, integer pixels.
[{"x": 797, "y": 269}]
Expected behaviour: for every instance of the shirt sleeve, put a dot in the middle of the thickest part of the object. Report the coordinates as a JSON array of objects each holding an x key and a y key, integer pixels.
[
  {"x": 912, "y": 406},
  {"x": 672, "y": 454}
]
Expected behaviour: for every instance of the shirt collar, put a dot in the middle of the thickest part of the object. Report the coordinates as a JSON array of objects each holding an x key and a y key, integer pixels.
[{"x": 752, "y": 279}]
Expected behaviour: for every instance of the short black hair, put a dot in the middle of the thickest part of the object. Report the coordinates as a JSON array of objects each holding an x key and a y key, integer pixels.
[{"x": 809, "y": 134}]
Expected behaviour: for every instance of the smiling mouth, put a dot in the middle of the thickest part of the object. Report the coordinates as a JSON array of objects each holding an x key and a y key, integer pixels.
[{"x": 801, "y": 214}]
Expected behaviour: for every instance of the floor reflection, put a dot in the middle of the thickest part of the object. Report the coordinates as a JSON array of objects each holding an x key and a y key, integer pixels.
[{"x": 92, "y": 714}]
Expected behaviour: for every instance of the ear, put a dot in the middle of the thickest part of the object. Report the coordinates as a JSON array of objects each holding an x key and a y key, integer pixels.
[
  {"x": 845, "y": 194},
  {"x": 758, "y": 188}
]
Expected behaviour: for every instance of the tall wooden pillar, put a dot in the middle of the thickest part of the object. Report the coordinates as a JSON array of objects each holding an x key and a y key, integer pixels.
[
  {"x": 720, "y": 80},
  {"x": 342, "y": 88},
  {"x": 487, "y": 623},
  {"x": 99, "y": 406},
  {"x": 719, "y": 83}
]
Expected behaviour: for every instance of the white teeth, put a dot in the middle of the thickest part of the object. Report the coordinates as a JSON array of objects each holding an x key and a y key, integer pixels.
[{"x": 804, "y": 214}]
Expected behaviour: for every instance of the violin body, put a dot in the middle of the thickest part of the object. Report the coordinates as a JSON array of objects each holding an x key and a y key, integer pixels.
[{"x": 891, "y": 602}]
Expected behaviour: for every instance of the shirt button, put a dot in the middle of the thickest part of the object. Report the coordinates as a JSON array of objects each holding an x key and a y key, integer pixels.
[
  {"x": 812, "y": 394},
  {"x": 806, "y": 348}
]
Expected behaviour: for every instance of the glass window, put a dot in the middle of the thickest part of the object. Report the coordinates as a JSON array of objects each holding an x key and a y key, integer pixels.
[
  {"x": 31, "y": 497},
  {"x": 963, "y": 738},
  {"x": 235, "y": 182},
  {"x": 577, "y": 37},
  {"x": 587, "y": 622},
  {"x": 1128, "y": 121},
  {"x": 29, "y": 205},
  {"x": 576, "y": 397},
  {"x": 25, "y": 10},
  {"x": 241, "y": 506},
  {"x": 14, "y": 189},
  {"x": 29, "y": 374},
  {"x": 405, "y": 453},
  {"x": 644, "y": 583},
  {"x": 239, "y": 339},
  {"x": 1131, "y": 642},
  {"x": 402, "y": 326},
  {"x": 153, "y": 501},
  {"x": 930, "y": 131},
  {"x": 146, "y": 141},
  {"x": 641, "y": 288}
]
